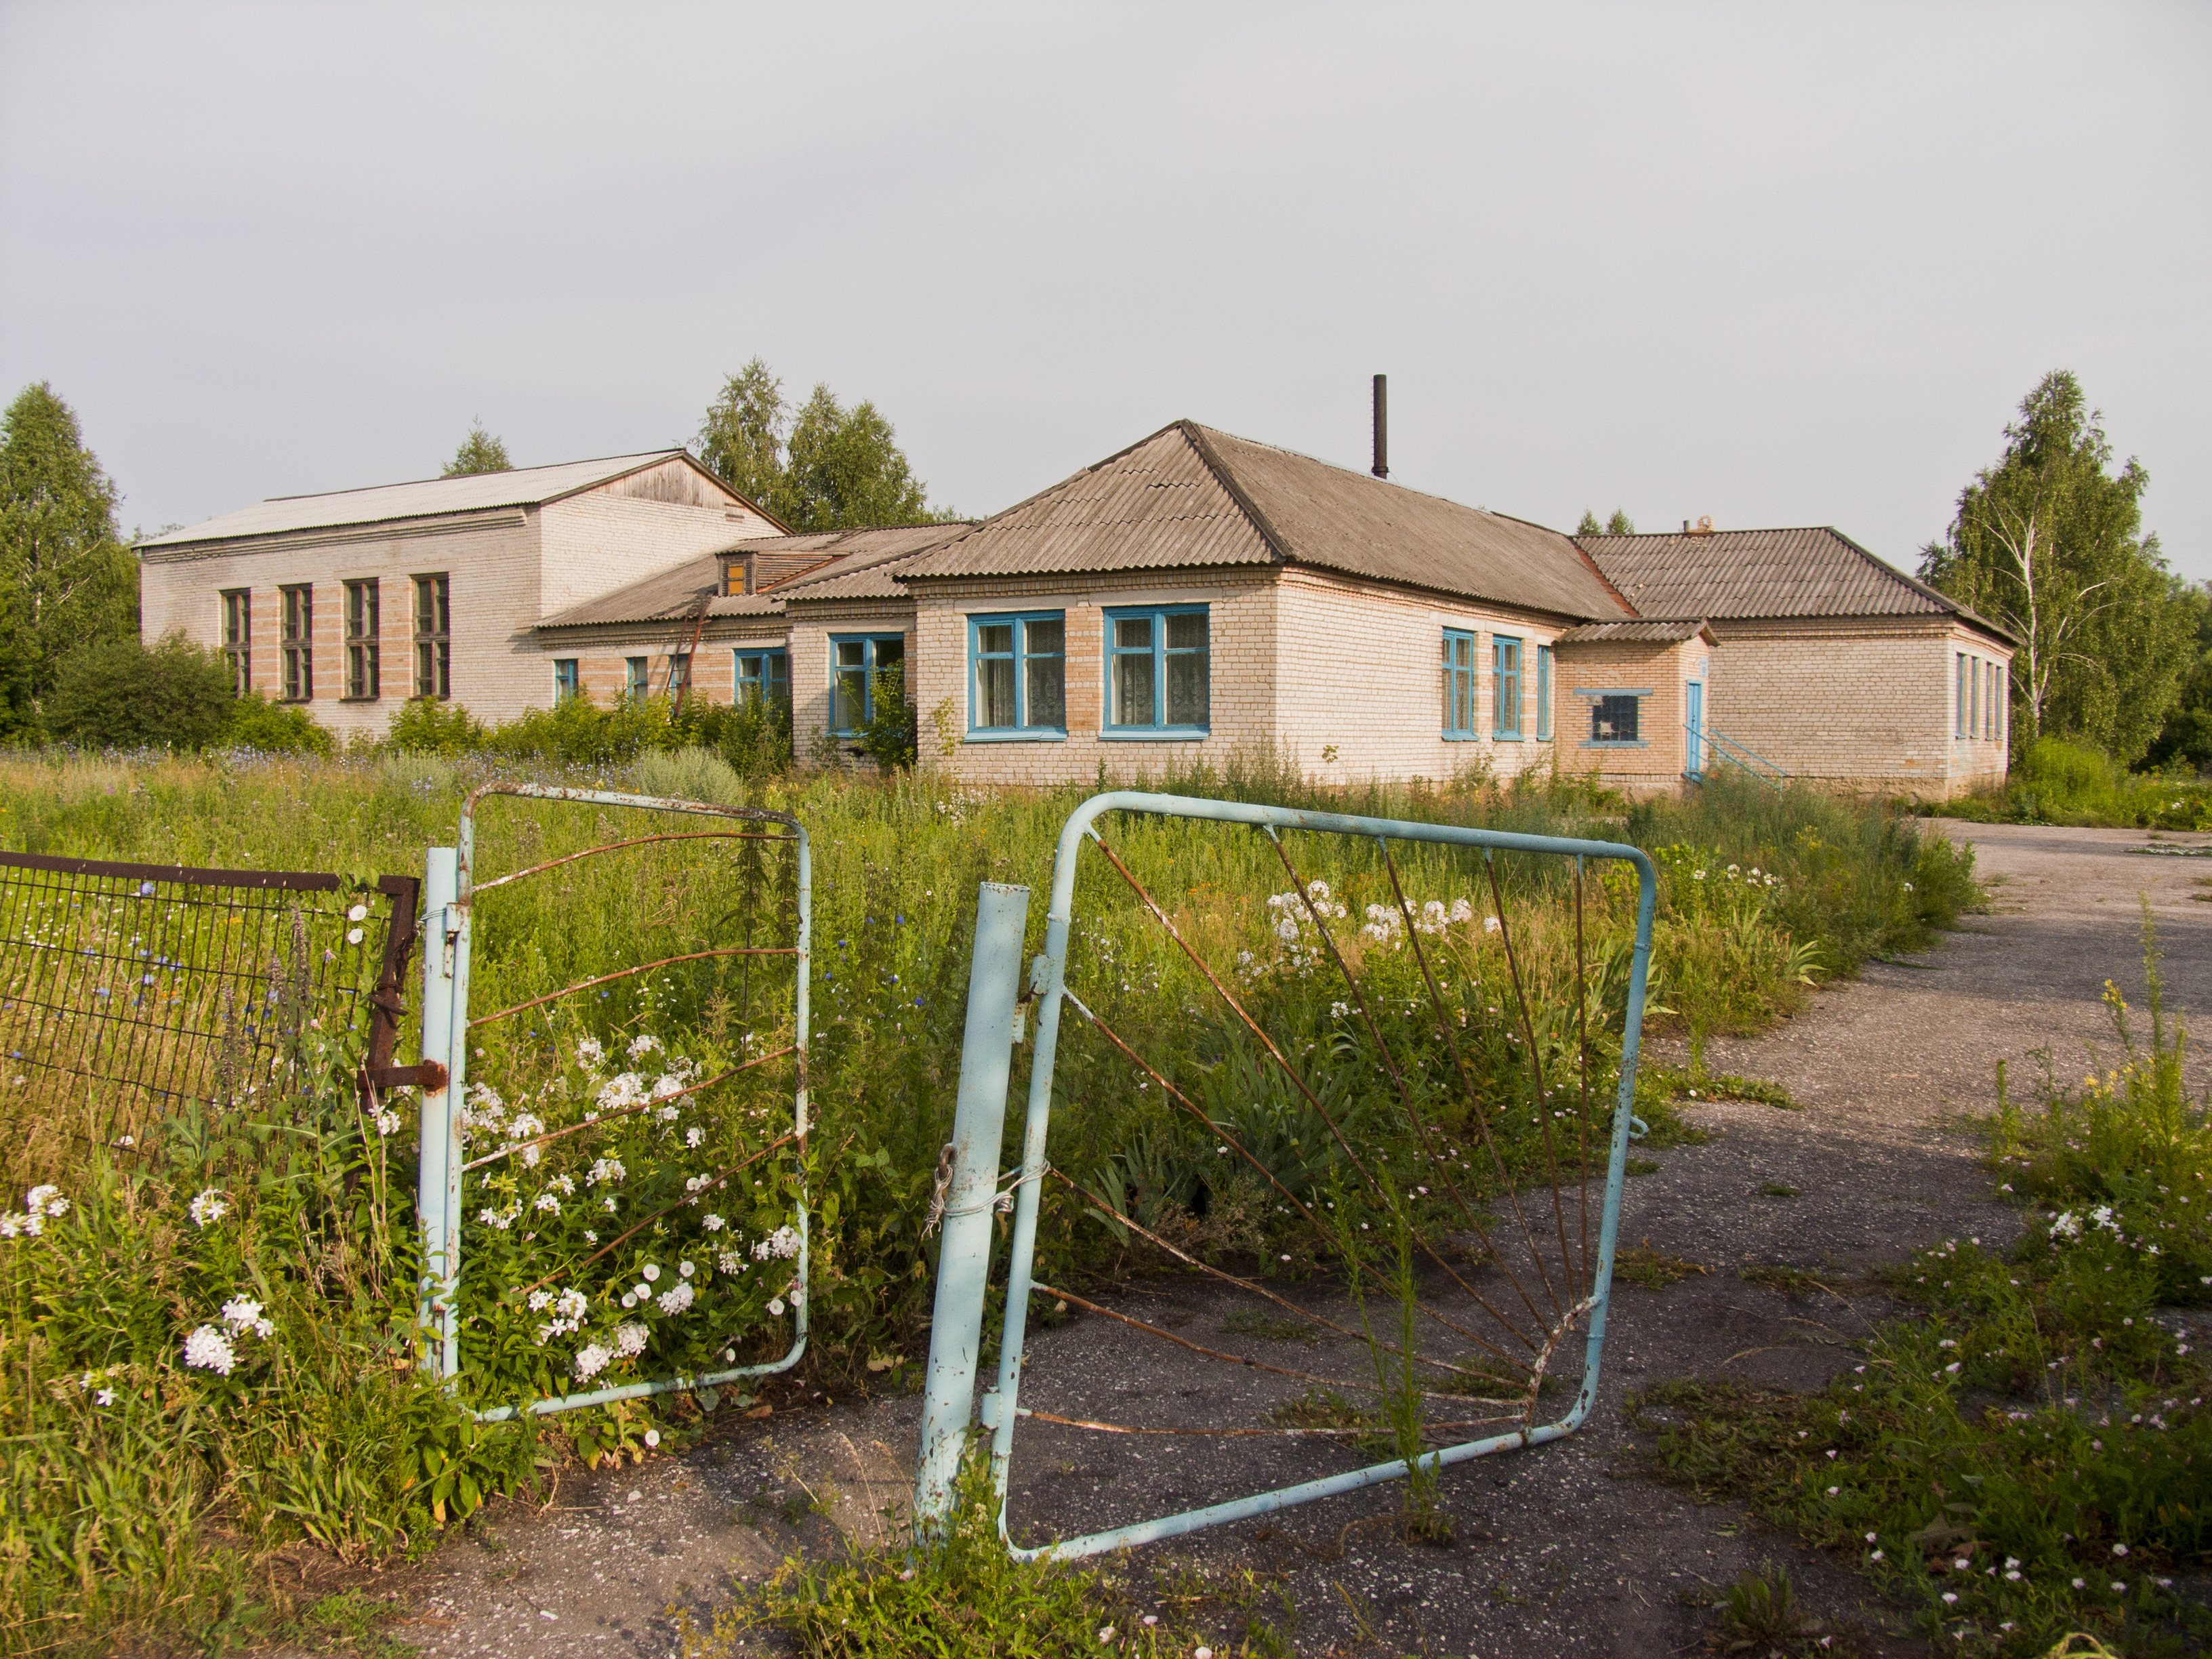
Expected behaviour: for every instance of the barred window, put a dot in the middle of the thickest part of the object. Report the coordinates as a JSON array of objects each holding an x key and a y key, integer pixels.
[
  {"x": 433, "y": 638},
  {"x": 361, "y": 637},
  {"x": 237, "y": 638},
  {"x": 296, "y": 642}
]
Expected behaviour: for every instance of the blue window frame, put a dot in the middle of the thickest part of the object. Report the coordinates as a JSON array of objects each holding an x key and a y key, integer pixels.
[
  {"x": 1159, "y": 672},
  {"x": 1959, "y": 715},
  {"x": 1616, "y": 719},
  {"x": 1543, "y": 694},
  {"x": 1459, "y": 684},
  {"x": 1017, "y": 676},
  {"x": 568, "y": 679},
  {"x": 636, "y": 677},
  {"x": 1505, "y": 685},
  {"x": 856, "y": 661},
  {"x": 763, "y": 672}
]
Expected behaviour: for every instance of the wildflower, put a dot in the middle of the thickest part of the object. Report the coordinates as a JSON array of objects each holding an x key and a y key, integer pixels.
[
  {"x": 590, "y": 1056},
  {"x": 625, "y": 1089},
  {"x": 678, "y": 1298},
  {"x": 2079, "y": 1584},
  {"x": 731, "y": 1261},
  {"x": 652, "y": 1436},
  {"x": 1950, "y": 1596},
  {"x": 630, "y": 1339},
  {"x": 641, "y": 1045},
  {"x": 782, "y": 1242},
  {"x": 548, "y": 1202},
  {"x": 105, "y": 1397},
  {"x": 694, "y": 1135},
  {"x": 713, "y": 1223},
  {"x": 607, "y": 1169},
  {"x": 210, "y": 1207},
  {"x": 209, "y": 1349},
  {"x": 1875, "y": 1556},
  {"x": 387, "y": 1122},
  {"x": 776, "y": 1306},
  {"x": 242, "y": 1314},
  {"x": 591, "y": 1359},
  {"x": 1490, "y": 924},
  {"x": 2119, "y": 1549},
  {"x": 686, "y": 1269},
  {"x": 652, "y": 1272}
]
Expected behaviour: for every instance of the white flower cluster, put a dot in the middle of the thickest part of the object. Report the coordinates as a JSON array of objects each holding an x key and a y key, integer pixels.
[
  {"x": 605, "y": 1169},
  {"x": 526, "y": 1126},
  {"x": 482, "y": 1108},
  {"x": 501, "y": 1219},
  {"x": 590, "y": 1056},
  {"x": 40, "y": 1205},
  {"x": 387, "y": 1121},
  {"x": 678, "y": 1297},
  {"x": 568, "y": 1308},
  {"x": 641, "y": 1045},
  {"x": 210, "y": 1207},
  {"x": 732, "y": 1261},
  {"x": 782, "y": 1242},
  {"x": 208, "y": 1347}
]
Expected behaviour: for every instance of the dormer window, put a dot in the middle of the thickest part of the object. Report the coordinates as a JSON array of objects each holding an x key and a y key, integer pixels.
[{"x": 737, "y": 574}]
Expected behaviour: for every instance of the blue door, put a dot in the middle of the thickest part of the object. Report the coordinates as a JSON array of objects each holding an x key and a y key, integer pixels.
[{"x": 1696, "y": 722}]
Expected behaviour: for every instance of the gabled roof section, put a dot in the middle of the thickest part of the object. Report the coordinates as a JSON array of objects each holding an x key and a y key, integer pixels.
[
  {"x": 799, "y": 566},
  {"x": 1190, "y": 497},
  {"x": 429, "y": 498},
  {"x": 1761, "y": 574}
]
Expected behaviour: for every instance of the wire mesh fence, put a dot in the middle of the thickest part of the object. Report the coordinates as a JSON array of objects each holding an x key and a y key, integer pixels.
[
  {"x": 127, "y": 990},
  {"x": 1390, "y": 1104}
]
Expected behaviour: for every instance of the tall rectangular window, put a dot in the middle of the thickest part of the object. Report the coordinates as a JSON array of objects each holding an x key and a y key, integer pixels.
[
  {"x": 1459, "y": 683},
  {"x": 433, "y": 638},
  {"x": 679, "y": 672},
  {"x": 2004, "y": 701},
  {"x": 567, "y": 679},
  {"x": 857, "y": 661},
  {"x": 1959, "y": 719},
  {"x": 1505, "y": 685},
  {"x": 237, "y": 638},
  {"x": 361, "y": 619},
  {"x": 1018, "y": 674},
  {"x": 1543, "y": 694},
  {"x": 763, "y": 673},
  {"x": 1159, "y": 670},
  {"x": 295, "y": 642},
  {"x": 636, "y": 677},
  {"x": 1616, "y": 717}
]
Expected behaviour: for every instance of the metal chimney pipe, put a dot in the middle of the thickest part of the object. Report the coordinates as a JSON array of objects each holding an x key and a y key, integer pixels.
[{"x": 1382, "y": 426}]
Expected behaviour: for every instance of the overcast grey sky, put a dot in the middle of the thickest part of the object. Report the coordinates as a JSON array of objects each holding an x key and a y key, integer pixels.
[{"x": 1777, "y": 264}]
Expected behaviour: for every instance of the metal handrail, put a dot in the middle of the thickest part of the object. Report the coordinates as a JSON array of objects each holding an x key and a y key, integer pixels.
[{"x": 1737, "y": 755}]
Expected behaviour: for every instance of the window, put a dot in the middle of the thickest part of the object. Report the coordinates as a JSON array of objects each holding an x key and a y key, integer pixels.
[
  {"x": 1958, "y": 722},
  {"x": 1989, "y": 699},
  {"x": 855, "y": 660},
  {"x": 1543, "y": 694},
  {"x": 1459, "y": 683},
  {"x": 237, "y": 638},
  {"x": 679, "y": 672},
  {"x": 637, "y": 679},
  {"x": 361, "y": 612},
  {"x": 1614, "y": 717},
  {"x": 1158, "y": 674},
  {"x": 762, "y": 673},
  {"x": 567, "y": 680},
  {"x": 1505, "y": 685},
  {"x": 433, "y": 638},
  {"x": 1018, "y": 674},
  {"x": 2003, "y": 701},
  {"x": 296, "y": 643}
]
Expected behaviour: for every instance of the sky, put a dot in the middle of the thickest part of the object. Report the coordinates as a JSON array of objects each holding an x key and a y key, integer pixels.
[{"x": 1777, "y": 264}]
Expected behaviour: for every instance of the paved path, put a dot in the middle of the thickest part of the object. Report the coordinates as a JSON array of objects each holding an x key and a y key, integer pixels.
[{"x": 1562, "y": 1551}]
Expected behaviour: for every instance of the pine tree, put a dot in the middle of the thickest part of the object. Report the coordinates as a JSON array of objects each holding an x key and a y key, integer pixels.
[{"x": 479, "y": 452}]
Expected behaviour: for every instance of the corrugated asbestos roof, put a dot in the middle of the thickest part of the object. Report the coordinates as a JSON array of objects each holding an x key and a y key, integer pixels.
[
  {"x": 426, "y": 498},
  {"x": 870, "y": 562},
  {"x": 1189, "y": 497},
  {"x": 1639, "y": 633},
  {"x": 796, "y": 565},
  {"x": 1750, "y": 574}
]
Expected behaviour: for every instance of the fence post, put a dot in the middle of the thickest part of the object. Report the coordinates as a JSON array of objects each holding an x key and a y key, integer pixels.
[
  {"x": 439, "y": 1165},
  {"x": 963, "y": 1261}
]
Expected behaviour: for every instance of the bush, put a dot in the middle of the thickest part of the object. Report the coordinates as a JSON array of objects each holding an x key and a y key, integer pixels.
[
  {"x": 123, "y": 696},
  {"x": 254, "y": 722},
  {"x": 422, "y": 726},
  {"x": 2058, "y": 781}
]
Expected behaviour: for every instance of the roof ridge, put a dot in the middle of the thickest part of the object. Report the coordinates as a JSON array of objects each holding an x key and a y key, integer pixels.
[
  {"x": 451, "y": 477},
  {"x": 1201, "y": 441}
]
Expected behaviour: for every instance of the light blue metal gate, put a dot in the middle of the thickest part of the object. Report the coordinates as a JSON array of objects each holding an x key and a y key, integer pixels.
[
  {"x": 450, "y": 899},
  {"x": 1575, "y": 1283}
]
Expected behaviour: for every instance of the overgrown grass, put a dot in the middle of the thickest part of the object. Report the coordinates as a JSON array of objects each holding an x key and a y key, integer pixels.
[
  {"x": 2056, "y": 781},
  {"x": 163, "y": 1483},
  {"x": 2031, "y": 1454}
]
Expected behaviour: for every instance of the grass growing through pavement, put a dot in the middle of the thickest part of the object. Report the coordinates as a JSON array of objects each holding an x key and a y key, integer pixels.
[
  {"x": 2032, "y": 1453},
  {"x": 145, "y": 1485}
]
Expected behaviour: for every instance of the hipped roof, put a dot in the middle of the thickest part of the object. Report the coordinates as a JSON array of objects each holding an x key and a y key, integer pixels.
[
  {"x": 1191, "y": 497},
  {"x": 1762, "y": 574}
]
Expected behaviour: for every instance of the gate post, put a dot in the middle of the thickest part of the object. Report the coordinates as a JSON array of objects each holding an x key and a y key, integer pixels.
[
  {"x": 963, "y": 1261},
  {"x": 439, "y": 1165}
]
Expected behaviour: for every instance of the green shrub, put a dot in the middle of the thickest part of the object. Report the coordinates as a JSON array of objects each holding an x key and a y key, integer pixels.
[
  {"x": 254, "y": 722},
  {"x": 2058, "y": 781},
  {"x": 423, "y": 726},
  {"x": 121, "y": 694}
]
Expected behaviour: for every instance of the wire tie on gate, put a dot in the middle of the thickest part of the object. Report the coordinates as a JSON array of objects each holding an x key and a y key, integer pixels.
[{"x": 944, "y": 1155}]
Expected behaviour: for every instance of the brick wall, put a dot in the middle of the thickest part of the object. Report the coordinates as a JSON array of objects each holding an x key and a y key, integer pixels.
[
  {"x": 490, "y": 558},
  {"x": 810, "y": 659},
  {"x": 597, "y": 542},
  {"x": 603, "y": 653},
  {"x": 1661, "y": 672}
]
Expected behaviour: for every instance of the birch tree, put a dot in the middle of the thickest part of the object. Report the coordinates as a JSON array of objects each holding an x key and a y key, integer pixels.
[
  {"x": 2049, "y": 543},
  {"x": 66, "y": 580}
]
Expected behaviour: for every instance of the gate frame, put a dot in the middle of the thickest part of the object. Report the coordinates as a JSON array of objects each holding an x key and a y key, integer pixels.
[
  {"x": 1000, "y": 1407},
  {"x": 448, "y": 922}
]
